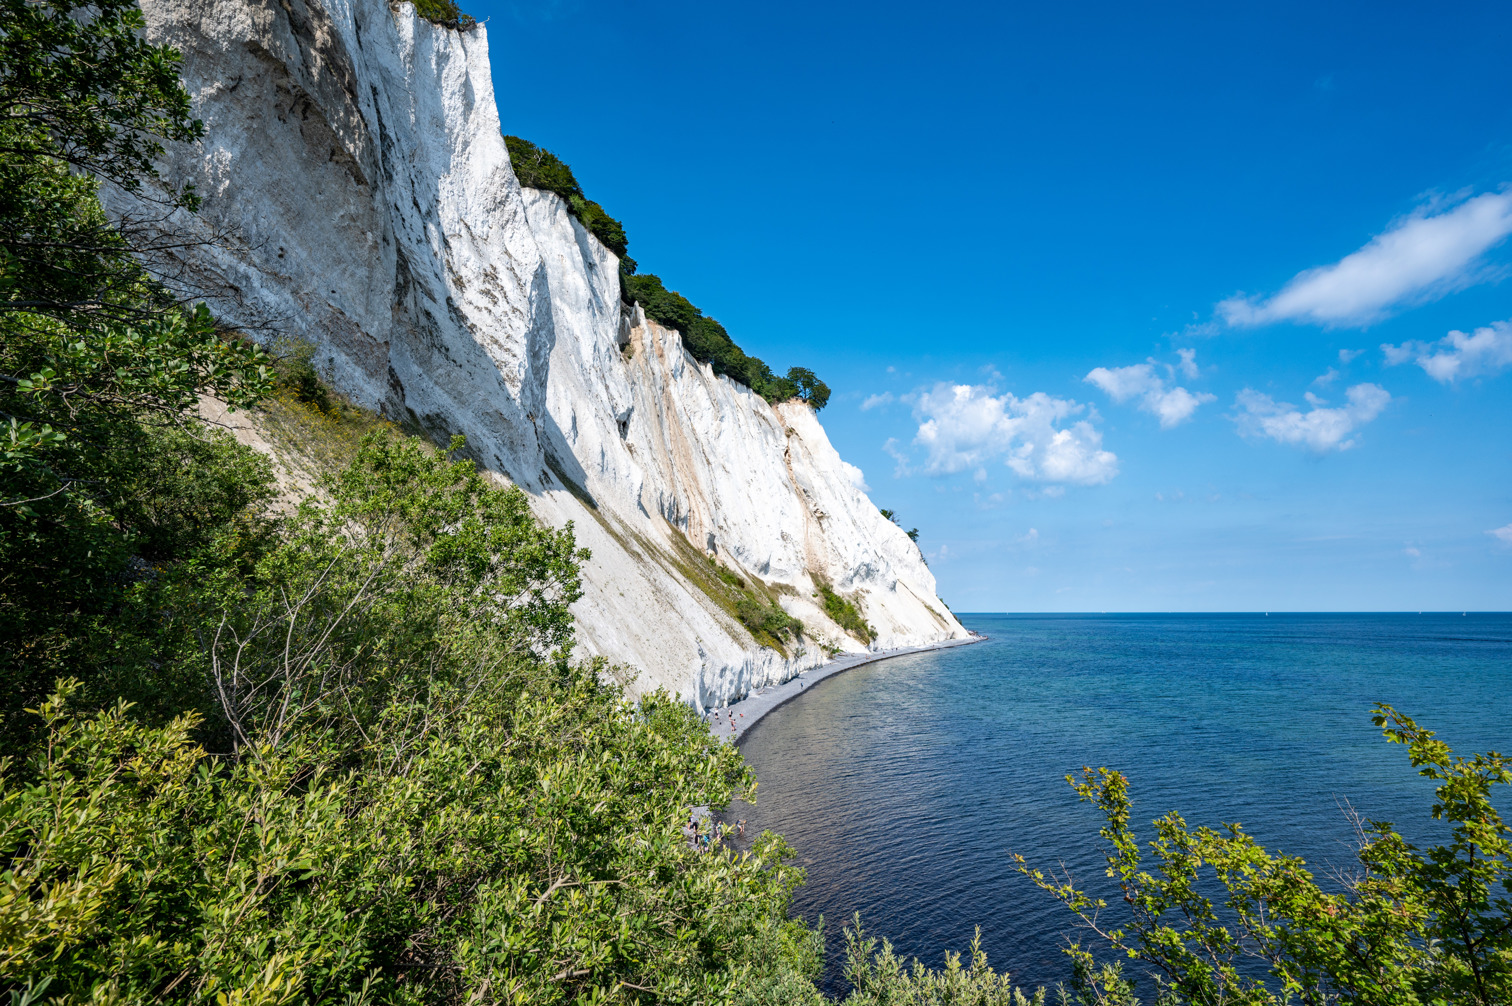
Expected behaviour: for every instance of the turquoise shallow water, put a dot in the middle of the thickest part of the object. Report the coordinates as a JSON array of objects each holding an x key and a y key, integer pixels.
[{"x": 905, "y": 785}]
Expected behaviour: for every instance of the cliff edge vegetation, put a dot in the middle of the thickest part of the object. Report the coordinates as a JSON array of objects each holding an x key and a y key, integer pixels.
[{"x": 705, "y": 338}]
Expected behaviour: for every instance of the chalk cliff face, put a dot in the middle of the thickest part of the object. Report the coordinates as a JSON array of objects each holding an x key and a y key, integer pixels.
[{"x": 358, "y": 194}]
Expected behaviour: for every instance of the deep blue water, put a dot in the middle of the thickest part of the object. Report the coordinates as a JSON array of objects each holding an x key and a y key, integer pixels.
[{"x": 905, "y": 785}]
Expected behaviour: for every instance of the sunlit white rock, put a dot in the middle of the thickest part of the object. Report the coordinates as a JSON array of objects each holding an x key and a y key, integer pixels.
[{"x": 358, "y": 194}]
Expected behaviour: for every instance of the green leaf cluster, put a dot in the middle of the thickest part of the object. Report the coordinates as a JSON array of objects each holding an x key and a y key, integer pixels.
[
  {"x": 538, "y": 168},
  {"x": 80, "y": 85},
  {"x": 446, "y": 13},
  {"x": 708, "y": 342},
  {"x": 705, "y": 338},
  {"x": 881, "y": 978},
  {"x": 1406, "y": 927}
]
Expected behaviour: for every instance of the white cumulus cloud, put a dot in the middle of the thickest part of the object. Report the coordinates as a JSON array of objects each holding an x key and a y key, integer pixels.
[
  {"x": 1423, "y": 256},
  {"x": 1323, "y": 428},
  {"x": 1457, "y": 355},
  {"x": 1172, "y": 405},
  {"x": 964, "y": 426}
]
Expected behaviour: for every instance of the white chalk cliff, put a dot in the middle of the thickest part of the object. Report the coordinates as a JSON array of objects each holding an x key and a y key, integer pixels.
[{"x": 358, "y": 194}]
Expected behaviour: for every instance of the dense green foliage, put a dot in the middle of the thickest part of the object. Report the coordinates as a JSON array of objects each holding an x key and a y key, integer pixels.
[
  {"x": 767, "y": 617},
  {"x": 1405, "y": 927},
  {"x": 415, "y": 802},
  {"x": 843, "y": 612},
  {"x": 537, "y": 168},
  {"x": 100, "y": 481},
  {"x": 881, "y": 978},
  {"x": 445, "y": 13},
  {"x": 705, "y": 338}
]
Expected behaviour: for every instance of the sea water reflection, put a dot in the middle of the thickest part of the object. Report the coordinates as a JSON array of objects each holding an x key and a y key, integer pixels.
[{"x": 906, "y": 785}]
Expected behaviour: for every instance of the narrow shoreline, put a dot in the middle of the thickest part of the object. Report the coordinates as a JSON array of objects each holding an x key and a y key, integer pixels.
[{"x": 732, "y": 723}]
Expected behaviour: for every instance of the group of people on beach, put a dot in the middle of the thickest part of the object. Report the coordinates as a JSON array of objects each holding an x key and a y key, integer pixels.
[
  {"x": 703, "y": 841},
  {"x": 729, "y": 719}
]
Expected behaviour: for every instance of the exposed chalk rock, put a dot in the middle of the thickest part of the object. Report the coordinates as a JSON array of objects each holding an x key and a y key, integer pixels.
[{"x": 358, "y": 194}]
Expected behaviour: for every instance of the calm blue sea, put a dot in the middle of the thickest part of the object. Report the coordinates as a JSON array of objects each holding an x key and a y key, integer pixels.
[{"x": 905, "y": 785}]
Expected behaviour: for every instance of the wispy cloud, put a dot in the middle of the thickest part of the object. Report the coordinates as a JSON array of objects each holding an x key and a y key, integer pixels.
[
  {"x": 1322, "y": 428},
  {"x": 965, "y": 426},
  {"x": 1173, "y": 405},
  {"x": 1502, "y": 534},
  {"x": 1457, "y": 356},
  {"x": 874, "y": 401},
  {"x": 1423, "y": 256},
  {"x": 1188, "y": 364}
]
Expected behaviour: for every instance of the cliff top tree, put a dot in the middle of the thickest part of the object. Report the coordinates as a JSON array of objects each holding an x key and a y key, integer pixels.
[{"x": 538, "y": 168}]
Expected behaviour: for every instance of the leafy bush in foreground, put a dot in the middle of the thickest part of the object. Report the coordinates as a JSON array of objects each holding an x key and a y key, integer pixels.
[
  {"x": 416, "y": 800},
  {"x": 881, "y": 978},
  {"x": 1405, "y": 927}
]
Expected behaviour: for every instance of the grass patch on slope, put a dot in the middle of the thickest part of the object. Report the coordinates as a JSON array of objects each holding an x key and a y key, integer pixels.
[
  {"x": 307, "y": 419},
  {"x": 843, "y": 612},
  {"x": 751, "y": 602}
]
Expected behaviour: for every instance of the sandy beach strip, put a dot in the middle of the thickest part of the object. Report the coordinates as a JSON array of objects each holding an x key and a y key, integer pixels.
[{"x": 732, "y": 723}]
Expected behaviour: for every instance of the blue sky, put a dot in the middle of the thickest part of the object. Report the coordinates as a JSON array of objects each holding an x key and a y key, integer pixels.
[{"x": 1102, "y": 292}]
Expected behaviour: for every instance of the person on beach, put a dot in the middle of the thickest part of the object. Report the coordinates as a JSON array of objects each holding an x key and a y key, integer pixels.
[{"x": 740, "y": 829}]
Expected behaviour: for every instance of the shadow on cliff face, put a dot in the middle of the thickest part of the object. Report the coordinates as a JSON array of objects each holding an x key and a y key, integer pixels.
[{"x": 564, "y": 464}]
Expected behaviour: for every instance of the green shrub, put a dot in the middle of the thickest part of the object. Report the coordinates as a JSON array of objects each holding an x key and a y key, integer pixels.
[
  {"x": 445, "y": 13},
  {"x": 538, "y": 168},
  {"x": 1400, "y": 926},
  {"x": 843, "y": 612},
  {"x": 708, "y": 342},
  {"x": 728, "y": 575},
  {"x": 881, "y": 977},
  {"x": 767, "y": 617},
  {"x": 294, "y": 365}
]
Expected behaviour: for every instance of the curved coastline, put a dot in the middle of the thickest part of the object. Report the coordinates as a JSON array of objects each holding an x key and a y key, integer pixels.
[{"x": 732, "y": 723}]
